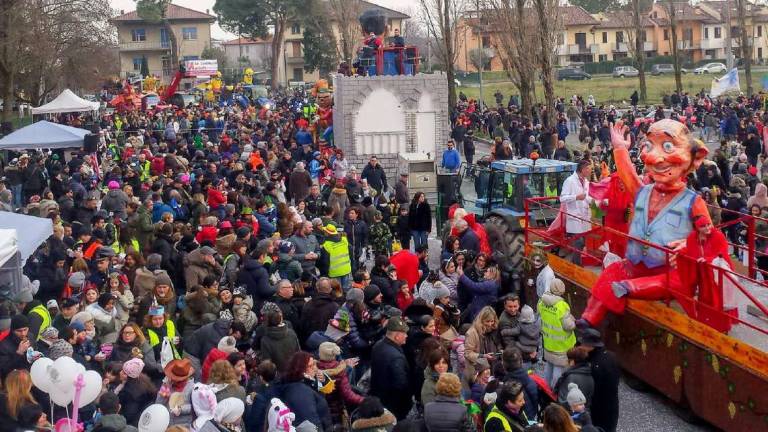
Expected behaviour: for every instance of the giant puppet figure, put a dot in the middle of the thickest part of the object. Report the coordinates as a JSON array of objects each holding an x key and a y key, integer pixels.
[
  {"x": 664, "y": 213},
  {"x": 323, "y": 122}
]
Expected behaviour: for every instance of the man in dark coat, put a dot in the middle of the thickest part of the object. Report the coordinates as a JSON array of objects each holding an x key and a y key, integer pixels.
[
  {"x": 374, "y": 173},
  {"x": 389, "y": 370},
  {"x": 467, "y": 238},
  {"x": 606, "y": 373},
  {"x": 255, "y": 277},
  {"x": 13, "y": 347},
  {"x": 299, "y": 183},
  {"x": 318, "y": 311}
]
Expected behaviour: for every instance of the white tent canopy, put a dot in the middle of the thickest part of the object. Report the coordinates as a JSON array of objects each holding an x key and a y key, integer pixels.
[
  {"x": 30, "y": 233},
  {"x": 44, "y": 134},
  {"x": 66, "y": 102},
  {"x": 8, "y": 246}
]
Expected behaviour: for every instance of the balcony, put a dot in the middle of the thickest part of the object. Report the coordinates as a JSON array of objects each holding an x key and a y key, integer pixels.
[
  {"x": 687, "y": 45},
  {"x": 648, "y": 46},
  {"x": 712, "y": 43},
  {"x": 620, "y": 47},
  {"x": 736, "y": 41},
  {"x": 292, "y": 58},
  {"x": 582, "y": 49},
  {"x": 144, "y": 46}
]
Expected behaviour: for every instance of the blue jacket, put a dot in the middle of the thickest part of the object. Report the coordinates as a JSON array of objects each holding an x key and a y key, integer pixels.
[
  {"x": 530, "y": 390},
  {"x": 483, "y": 294},
  {"x": 303, "y": 137},
  {"x": 158, "y": 209},
  {"x": 562, "y": 131},
  {"x": 451, "y": 159},
  {"x": 266, "y": 228},
  {"x": 314, "y": 168},
  {"x": 307, "y": 403}
]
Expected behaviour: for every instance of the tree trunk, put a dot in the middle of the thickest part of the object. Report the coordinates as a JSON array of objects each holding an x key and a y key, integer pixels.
[
  {"x": 277, "y": 48},
  {"x": 545, "y": 60},
  {"x": 8, "y": 98},
  {"x": 746, "y": 44},
  {"x": 637, "y": 19},
  {"x": 173, "y": 41},
  {"x": 449, "y": 54},
  {"x": 675, "y": 53}
]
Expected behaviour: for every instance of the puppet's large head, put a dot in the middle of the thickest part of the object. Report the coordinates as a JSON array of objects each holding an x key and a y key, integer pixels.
[
  {"x": 669, "y": 152},
  {"x": 324, "y": 98},
  {"x": 373, "y": 21}
]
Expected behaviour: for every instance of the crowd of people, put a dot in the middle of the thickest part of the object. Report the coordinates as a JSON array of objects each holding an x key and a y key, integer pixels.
[
  {"x": 733, "y": 180},
  {"x": 224, "y": 262}
]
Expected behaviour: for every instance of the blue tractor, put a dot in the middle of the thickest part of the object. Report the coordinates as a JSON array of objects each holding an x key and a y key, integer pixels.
[{"x": 497, "y": 195}]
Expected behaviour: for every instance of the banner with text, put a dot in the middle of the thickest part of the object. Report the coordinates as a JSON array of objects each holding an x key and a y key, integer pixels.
[{"x": 201, "y": 67}]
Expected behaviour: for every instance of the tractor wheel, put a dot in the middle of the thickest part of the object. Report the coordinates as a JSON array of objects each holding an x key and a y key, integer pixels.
[{"x": 507, "y": 243}]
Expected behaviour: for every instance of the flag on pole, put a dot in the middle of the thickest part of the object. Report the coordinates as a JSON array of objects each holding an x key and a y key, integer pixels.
[{"x": 727, "y": 83}]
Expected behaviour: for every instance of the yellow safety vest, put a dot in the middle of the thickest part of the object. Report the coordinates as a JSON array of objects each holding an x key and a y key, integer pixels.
[
  {"x": 144, "y": 171},
  {"x": 497, "y": 414},
  {"x": 45, "y": 315},
  {"x": 556, "y": 339},
  {"x": 170, "y": 330},
  {"x": 339, "y": 264}
]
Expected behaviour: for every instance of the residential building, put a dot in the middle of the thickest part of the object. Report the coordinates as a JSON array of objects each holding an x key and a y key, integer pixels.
[
  {"x": 690, "y": 26},
  {"x": 291, "y": 61},
  {"x": 253, "y": 53},
  {"x": 139, "y": 40},
  {"x": 615, "y": 36}
]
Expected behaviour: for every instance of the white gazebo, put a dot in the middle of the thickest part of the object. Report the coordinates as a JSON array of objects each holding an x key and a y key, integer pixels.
[{"x": 66, "y": 102}]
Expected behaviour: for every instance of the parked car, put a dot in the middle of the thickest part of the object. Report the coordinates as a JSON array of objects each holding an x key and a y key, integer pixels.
[
  {"x": 625, "y": 71},
  {"x": 572, "y": 74},
  {"x": 710, "y": 68},
  {"x": 661, "y": 69}
]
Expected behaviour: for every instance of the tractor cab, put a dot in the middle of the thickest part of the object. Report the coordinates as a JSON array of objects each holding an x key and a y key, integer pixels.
[{"x": 502, "y": 186}]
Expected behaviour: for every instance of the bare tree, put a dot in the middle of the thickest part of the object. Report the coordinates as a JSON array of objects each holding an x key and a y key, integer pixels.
[
  {"x": 746, "y": 41},
  {"x": 547, "y": 12},
  {"x": 671, "y": 7},
  {"x": 441, "y": 18},
  {"x": 632, "y": 21},
  {"x": 515, "y": 42},
  {"x": 345, "y": 14}
]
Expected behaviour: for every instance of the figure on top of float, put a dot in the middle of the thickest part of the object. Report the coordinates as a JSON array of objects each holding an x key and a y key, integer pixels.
[{"x": 664, "y": 213}]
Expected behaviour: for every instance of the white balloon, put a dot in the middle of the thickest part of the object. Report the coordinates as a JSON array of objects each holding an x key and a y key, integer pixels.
[
  {"x": 62, "y": 398},
  {"x": 39, "y": 373},
  {"x": 90, "y": 392},
  {"x": 63, "y": 374},
  {"x": 155, "y": 418}
]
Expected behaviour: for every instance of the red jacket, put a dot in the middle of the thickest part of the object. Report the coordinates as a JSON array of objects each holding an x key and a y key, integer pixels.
[
  {"x": 214, "y": 355},
  {"x": 215, "y": 198},
  {"x": 207, "y": 233},
  {"x": 338, "y": 372},
  {"x": 407, "y": 265}
]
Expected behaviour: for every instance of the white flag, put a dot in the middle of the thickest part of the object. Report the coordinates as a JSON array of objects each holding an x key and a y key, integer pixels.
[{"x": 727, "y": 83}]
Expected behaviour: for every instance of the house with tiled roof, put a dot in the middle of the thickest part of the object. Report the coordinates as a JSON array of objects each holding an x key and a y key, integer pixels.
[
  {"x": 245, "y": 52},
  {"x": 615, "y": 36},
  {"x": 140, "y": 41}
]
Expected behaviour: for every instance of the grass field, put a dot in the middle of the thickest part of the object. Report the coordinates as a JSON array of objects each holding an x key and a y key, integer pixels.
[{"x": 611, "y": 90}]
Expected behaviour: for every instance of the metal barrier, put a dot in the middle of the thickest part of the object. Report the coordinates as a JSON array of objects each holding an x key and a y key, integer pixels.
[{"x": 738, "y": 280}]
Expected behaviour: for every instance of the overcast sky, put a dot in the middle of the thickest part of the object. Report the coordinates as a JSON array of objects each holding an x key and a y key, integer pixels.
[{"x": 218, "y": 33}]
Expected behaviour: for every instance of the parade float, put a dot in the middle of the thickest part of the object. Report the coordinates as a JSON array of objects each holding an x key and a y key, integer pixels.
[{"x": 682, "y": 314}]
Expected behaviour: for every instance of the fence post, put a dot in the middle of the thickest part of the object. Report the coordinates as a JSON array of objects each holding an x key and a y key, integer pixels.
[{"x": 751, "y": 246}]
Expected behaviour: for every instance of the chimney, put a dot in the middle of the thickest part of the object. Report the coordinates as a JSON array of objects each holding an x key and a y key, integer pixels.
[
  {"x": 122, "y": 11},
  {"x": 207, "y": 12}
]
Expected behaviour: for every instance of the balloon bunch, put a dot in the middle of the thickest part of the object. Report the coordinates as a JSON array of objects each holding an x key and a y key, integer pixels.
[{"x": 66, "y": 381}]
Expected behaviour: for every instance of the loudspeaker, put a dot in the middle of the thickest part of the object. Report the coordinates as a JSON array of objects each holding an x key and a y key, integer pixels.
[
  {"x": 449, "y": 187},
  {"x": 91, "y": 143}
]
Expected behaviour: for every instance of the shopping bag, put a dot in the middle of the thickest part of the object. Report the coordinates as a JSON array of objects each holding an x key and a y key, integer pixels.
[{"x": 167, "y": 352}]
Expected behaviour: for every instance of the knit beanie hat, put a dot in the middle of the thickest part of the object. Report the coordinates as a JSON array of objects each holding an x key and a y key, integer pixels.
[
  {"x": 133, "y": 367},
  {"x": 328, "y": 351},
  {"x": 355, "y": 295},
  {"x": 441, "y": 290},
  {"x": 60, "y": 348},
  {"x": 526, "y": 315},
  {"x": 557, "y": 287},
  {"x": 19, "y": 321},
  {"x": 227, "y": 344},
  {"x": 575, "y": 396},
  {"x": 161, "y": 278},
  {"x": 50, "y": 333},
  {"x": 370, "y": 292}
]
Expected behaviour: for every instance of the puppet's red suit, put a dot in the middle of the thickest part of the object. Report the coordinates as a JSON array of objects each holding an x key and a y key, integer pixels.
[
  {"x": 664, "y": 211},
  {"x": 617, "y": 211}
]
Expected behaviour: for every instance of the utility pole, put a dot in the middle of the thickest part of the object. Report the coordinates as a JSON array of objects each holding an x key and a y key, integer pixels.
[{"x": 728, "y": 41}]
